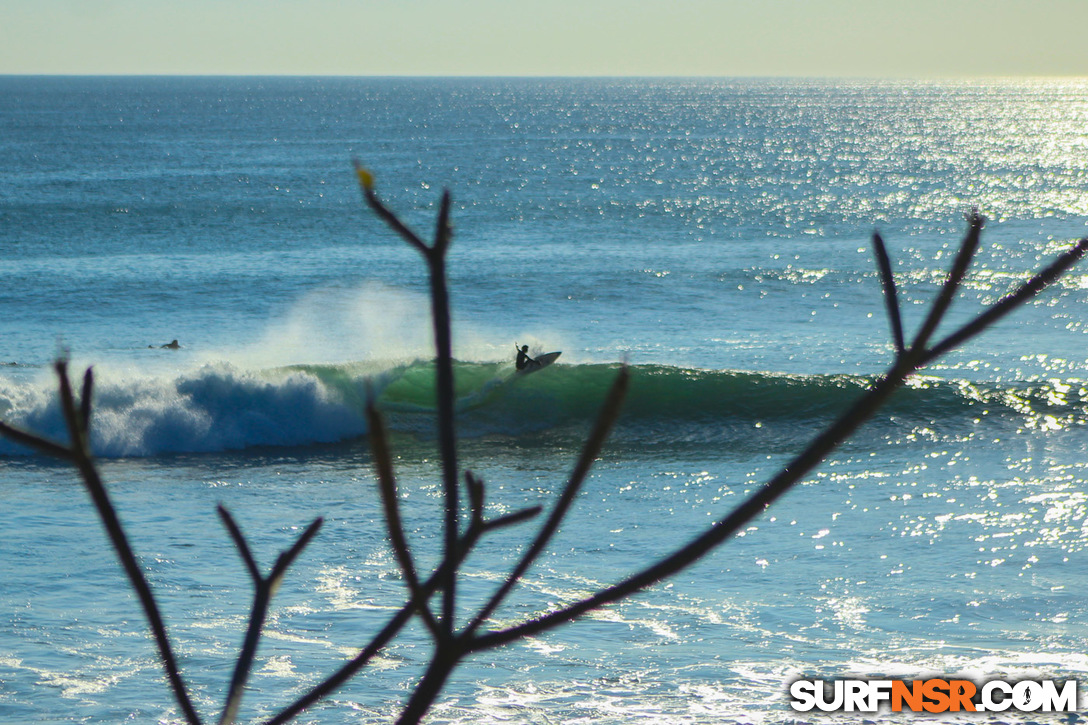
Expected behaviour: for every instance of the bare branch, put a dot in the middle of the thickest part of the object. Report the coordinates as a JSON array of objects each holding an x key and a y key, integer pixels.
[
  {"x": 244, "y": 664},
  {"x": 891, "y": 299},
  {"x": 387, "y": 486},
  {"x": 85, "y": 401},
  {"x": 610, "y": 410},
  {"x": 513, "y": 518},
  {"x": 108, "y": 515},
  {"x": 955, "y": 275},
  {"x": 442, "y": 232},
  {"x": 476, "y": 494},
  {"x": 42, "y": 445},
  {"x": 240, "y": 544},
  {"x": 398, "y": 541},
  {"x": 1010, "y": 302},
  {"x": 367, "y": 183},
  {"x": 447, "y": 433},
  {"x": 264, "y": 589},
  {"x": 288, "y": 557},
  {"x": 723, "y": 529},
  {"x": 799, "y": 467},
  {"x": 72, "y": 416},
  {"x": 440, "y": 313}
]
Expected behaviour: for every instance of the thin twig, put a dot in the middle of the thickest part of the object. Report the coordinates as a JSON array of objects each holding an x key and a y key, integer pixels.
[
  {"x": 512, "y": 518},
  {"x": 288, "y": 557},
  {"x": 398, "y": 541},
  {"x": 73, "y": 418},
  {"x": 941, "y": 304},
  {"x": 476, "y": 495},
  {"x": 387, "y": 486},
  {"x": 240, "y": 543},
  {"x": 442, "y": 230},
  {"x": 263, "y": 590},
  {"x": 719, "y": 532},
  {"x": 366, "y": 181},
  {"x": 42, "y": 445},
  {"x": 447, "y": 435},
  {"x": 1011, "y": 301},
  {"x": 891, "y": 299},
  {"x": 85, "y": 401}
]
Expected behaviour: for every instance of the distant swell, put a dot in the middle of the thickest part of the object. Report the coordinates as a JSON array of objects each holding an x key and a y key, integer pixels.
[{"x": 220, "y": 407}]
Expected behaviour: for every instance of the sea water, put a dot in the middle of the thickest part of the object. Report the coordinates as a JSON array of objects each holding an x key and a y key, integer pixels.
[{"x": 713, "y": 235}]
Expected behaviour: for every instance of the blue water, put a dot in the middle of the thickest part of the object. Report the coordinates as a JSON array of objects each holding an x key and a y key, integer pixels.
[{"x": 712, "y": 234}]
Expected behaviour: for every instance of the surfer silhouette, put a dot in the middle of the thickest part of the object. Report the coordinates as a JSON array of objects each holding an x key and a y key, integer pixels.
[
  {"x": 524, "y": 360},
  {"x": 172, "y": 345}
]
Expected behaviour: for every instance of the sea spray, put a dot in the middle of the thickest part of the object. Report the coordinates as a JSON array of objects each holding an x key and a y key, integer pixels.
[{"x": 370, "y": 320}]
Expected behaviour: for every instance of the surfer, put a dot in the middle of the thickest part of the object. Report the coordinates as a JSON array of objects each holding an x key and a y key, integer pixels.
[
  {"x": 523, "y": 360},
  {"x": 172, "y": 345}
]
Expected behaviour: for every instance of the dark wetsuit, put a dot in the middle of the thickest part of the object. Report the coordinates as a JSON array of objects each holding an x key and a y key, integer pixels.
[{"x": 523, "y": 360}]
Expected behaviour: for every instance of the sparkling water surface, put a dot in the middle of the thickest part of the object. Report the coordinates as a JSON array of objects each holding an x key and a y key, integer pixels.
[{"x": 712, "y": 233}]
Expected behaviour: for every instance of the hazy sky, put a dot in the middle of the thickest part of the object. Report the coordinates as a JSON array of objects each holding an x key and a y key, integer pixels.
[{"x": 913, "y": 38}]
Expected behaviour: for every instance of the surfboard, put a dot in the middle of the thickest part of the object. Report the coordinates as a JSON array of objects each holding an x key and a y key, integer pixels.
[{"x": 540, "y": 362}]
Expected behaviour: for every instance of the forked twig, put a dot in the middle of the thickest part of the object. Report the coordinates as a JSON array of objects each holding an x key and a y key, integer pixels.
[
  {"x": 263, "y": 590},
  {"x": 37, "y": 443},
  {"x": 1010, "y": 302},
  {"x": 477, "y": 497}
]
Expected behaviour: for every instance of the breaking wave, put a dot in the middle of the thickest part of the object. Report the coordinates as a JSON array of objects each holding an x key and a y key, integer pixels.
[{"x": 221, "y": 407}]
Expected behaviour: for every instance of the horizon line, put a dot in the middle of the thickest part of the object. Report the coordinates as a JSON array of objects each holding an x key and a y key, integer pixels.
[{"x": 542, "y": 76}]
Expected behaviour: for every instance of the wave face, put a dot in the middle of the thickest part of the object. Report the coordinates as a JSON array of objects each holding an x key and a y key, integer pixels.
[{"x": 220, "y": 407}]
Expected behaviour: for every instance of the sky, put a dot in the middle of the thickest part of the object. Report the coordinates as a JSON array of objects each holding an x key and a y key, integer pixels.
[{"x": 812, "y": 38}]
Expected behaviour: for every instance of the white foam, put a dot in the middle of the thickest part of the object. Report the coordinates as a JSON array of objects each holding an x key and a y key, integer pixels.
[{"x": 213, "y": 408}]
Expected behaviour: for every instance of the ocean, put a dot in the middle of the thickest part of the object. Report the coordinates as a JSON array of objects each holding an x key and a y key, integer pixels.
[{"x": 713, "y": 235}]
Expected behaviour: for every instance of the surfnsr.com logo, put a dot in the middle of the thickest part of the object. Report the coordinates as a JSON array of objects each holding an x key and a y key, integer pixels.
[{"x": 933, "y": 695}]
